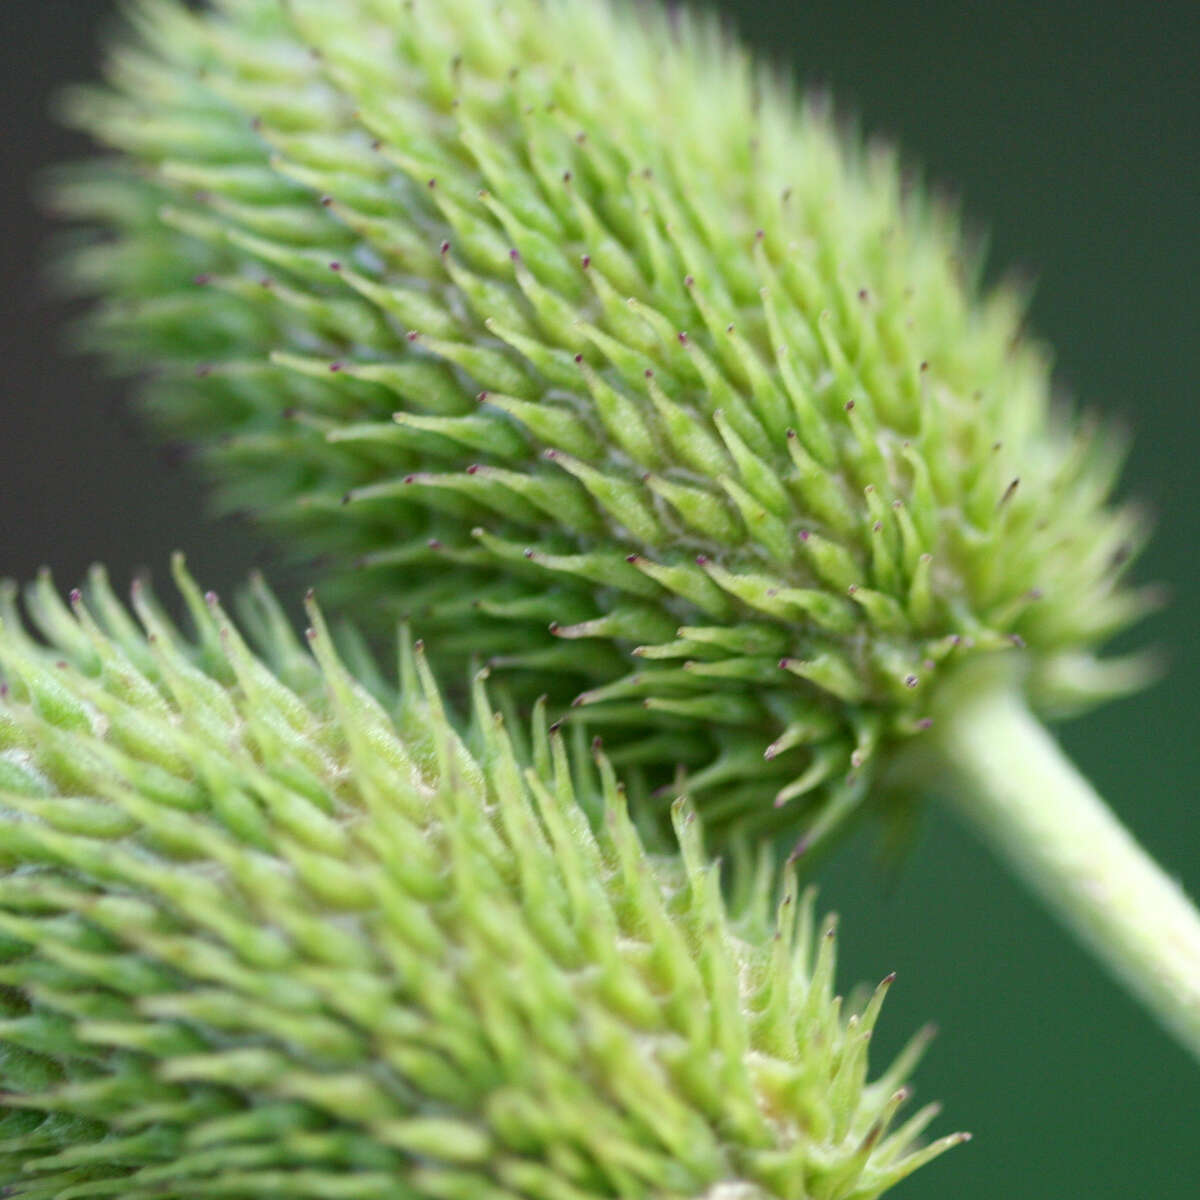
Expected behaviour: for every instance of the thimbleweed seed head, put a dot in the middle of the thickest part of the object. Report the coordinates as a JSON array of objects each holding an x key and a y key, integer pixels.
[
  {"x": 262, "y": 934},
  {"x": 563, "y": 332}
]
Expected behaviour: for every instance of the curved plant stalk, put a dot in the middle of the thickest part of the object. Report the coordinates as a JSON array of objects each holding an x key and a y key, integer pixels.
[{"x": 998, "y": 768}]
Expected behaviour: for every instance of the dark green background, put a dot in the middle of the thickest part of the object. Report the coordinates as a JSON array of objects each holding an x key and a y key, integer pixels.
[{"x": 1070, "y": 131}]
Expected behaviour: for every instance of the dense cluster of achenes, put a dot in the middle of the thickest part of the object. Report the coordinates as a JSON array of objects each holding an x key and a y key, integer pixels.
[
  {"x": 271, "y": 934},
  {"x": 575, "y": 341},
  {"x": 587, "y": 349}
]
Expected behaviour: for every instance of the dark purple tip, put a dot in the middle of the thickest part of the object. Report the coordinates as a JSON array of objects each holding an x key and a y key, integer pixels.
[{"x": 798, "y": 850}]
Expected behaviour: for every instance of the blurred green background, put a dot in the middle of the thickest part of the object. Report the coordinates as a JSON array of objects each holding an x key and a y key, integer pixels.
[{"x": 1070, "y": 131}]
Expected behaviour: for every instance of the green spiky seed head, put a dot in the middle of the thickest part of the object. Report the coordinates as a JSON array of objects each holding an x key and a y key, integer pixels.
[
  {"x": 583, "y": 344},
  {"x": 262, "y": 934}
]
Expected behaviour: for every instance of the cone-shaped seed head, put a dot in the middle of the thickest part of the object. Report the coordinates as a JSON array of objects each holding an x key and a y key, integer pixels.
[
  {"x": 572, "y": 337},
  {"x": 262, "y": 935}
]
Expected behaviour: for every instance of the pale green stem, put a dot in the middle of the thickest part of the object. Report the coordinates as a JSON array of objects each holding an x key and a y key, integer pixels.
[{"x": 996, "y": 765}]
